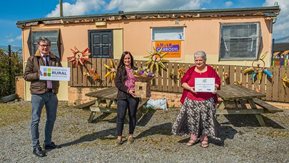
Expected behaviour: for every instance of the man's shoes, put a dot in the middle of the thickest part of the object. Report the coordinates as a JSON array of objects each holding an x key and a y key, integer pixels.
[
  {"x": 52, "y": 145},
  {"x": 39, "y": 152}
]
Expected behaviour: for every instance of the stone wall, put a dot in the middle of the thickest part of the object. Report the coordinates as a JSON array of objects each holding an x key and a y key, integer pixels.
[{"x": 76, "y": 95}]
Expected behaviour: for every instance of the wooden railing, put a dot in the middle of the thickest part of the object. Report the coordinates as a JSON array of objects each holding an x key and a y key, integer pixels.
[{"x": 273, "y": 88}]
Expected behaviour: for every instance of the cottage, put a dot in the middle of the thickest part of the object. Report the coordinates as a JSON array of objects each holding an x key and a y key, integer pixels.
[{"x": 229, "y": 36}]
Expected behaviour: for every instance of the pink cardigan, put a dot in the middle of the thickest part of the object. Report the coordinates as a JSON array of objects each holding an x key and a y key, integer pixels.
[{"x": 189, "y": 78}]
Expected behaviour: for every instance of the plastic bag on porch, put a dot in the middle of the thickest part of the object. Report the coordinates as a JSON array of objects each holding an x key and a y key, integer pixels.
[{"x": 157, "y": 104}]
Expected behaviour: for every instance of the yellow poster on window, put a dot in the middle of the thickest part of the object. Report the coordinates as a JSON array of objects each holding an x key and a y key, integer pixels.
[{"x": 171, "y": 47}]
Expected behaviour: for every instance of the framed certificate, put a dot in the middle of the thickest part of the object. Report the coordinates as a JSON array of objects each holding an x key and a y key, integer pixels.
[
  {"x": 54, "y": 73},
  {"x": 205, "y": 84}
]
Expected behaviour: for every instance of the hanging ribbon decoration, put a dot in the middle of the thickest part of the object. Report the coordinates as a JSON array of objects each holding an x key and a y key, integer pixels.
[{"x": 257, "y": 72}]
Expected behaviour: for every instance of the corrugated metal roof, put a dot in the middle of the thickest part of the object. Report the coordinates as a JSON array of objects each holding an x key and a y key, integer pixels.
[
  {"x": 279, "y": 47},
  {"x": 271, "y": 11}
]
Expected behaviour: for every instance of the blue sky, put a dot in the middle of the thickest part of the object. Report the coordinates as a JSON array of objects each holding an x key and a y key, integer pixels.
[{"x": 15, "y": 10}]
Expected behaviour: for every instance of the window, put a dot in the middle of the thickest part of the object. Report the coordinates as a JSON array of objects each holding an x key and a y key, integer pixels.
[
  {"x": 101, "y": 43},
  {"x": 52, "y": 35},
  {"x": 240, "y": 41},
  {"x": 168, "y": 40},
  {"x": 168, "y": 33}
]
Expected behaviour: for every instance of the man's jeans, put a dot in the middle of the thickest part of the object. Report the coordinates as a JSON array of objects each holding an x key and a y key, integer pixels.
[{"x": 50, "y": 101}]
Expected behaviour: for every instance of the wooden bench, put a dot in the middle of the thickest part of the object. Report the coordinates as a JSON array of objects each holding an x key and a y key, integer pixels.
[
  {"x": 268, "y": 107},
  {"x": 239, "y": 100},
  {"x": 106, "y": 104},
  {"x": 85, "y": 105}
]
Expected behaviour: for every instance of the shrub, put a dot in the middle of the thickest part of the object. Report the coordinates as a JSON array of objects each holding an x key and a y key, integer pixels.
[{"x": 7, "y": 77}]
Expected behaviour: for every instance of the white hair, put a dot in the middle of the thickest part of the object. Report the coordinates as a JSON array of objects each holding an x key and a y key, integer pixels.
[{"x": 200, "y": 54}]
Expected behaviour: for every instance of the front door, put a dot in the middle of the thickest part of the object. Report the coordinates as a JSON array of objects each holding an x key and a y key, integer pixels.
[{"x": 100, "y": 42}]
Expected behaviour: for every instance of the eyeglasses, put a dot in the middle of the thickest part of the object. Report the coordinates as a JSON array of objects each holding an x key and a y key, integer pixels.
[{"x": 44, "y": 45}]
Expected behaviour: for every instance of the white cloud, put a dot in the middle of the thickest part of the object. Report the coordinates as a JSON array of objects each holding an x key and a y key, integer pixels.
[
  {"x": 146, "y": 5},
  {"x": 11, "y": 39},
  {"x": 80, "y": 7},
  {"x": 14, "y": 39},
  {"x": 19, "y": 37},
  {"x": 114, "y": 4},
  {"x": 228, "y": 3},
  {"x": 281, "y": 27}
]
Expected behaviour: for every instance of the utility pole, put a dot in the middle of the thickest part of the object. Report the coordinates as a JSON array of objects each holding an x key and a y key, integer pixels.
[
  {"x": 10, "y": 69},
  {"x": 61, "y": 8}
]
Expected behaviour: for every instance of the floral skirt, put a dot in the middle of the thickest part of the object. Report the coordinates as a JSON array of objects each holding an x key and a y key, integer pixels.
[{"x": 197, "y": 117}]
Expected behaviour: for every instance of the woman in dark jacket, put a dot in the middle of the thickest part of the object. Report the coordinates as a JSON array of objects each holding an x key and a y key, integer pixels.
[{"x": 126, "y": 100}]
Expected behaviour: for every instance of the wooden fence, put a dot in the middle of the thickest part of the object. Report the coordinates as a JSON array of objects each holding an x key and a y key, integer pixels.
[{"x": 274, "y": 89}]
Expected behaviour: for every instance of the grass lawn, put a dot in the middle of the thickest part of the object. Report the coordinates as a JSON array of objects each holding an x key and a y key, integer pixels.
[{"x": 14, "y": 112}]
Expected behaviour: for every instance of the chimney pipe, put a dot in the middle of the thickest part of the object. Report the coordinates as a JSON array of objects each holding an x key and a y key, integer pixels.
[{"x": 60, "y": 8}]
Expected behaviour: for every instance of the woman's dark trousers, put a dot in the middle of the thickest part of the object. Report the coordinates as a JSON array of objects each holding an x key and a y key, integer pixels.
[{"x": 129, "y": 104}]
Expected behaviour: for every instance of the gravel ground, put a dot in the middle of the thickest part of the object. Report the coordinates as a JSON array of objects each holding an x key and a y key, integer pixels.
[{"x": 243, "y": 140}]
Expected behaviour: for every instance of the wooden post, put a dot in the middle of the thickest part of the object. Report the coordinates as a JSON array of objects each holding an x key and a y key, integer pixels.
[{"x": 10, "y": 70}]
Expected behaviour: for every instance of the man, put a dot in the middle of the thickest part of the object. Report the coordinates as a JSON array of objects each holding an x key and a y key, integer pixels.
[{"x": 42, "y": 93}]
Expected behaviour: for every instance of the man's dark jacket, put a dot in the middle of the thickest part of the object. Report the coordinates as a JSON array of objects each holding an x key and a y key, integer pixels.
[{"x": 32, "y": 73}]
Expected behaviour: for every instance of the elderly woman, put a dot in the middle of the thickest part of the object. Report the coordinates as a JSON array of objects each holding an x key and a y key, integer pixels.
[{"x": 197, "y": 114}]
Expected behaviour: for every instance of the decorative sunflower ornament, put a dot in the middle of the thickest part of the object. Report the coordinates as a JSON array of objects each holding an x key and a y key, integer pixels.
[
  {"x": 111, "y": 70},
  {"x": 156, "y": 61},
  {"x": 79, "y": 57}
]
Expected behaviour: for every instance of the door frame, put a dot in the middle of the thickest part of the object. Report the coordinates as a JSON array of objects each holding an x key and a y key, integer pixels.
[{"x": 99, "y": 31}]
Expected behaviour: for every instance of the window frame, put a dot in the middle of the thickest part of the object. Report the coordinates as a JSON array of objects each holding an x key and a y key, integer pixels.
[
  {"x": 258, "y": 42},
  {"x": 31, "y": 43},
  {"x": 181, "y": 27}
]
